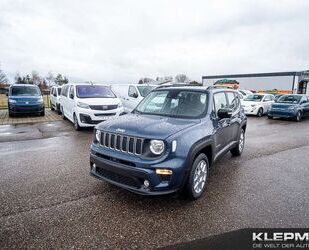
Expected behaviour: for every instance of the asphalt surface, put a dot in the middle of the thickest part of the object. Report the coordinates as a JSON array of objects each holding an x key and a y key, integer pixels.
[{"x": 48, "y": 200}]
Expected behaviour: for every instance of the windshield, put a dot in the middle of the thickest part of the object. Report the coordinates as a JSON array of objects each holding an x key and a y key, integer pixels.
[
  {"x": 145, "y": 90},
  {"x": 94, "y": 91},
  {"x": 174, "y": 103},
  {"x": 25, "y": 91},
  {"x": 59, "y": 90},
  {"x": 289, "y": 99},
  {"x": 254, "y": 98}
]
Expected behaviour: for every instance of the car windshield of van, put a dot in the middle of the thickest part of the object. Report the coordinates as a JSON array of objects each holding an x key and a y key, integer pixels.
[
  {"x": 145, "y": 90},
  {"x": 59, "y": 91},
  {"x": 25, "y": 91},
  {"x": 174, "y": 103},
  {"x": 254, "y": 98},
  {"x": 94, "y": 91},
  {"x": 289, "y": 99}
]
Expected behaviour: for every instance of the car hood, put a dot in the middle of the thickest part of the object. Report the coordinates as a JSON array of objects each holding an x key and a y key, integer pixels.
[
  {"x": 283, "y": 105},
  {"x": 25, "y": 98},
  {"x": 100, "y": 101},
  {"x": 249, "y": 103},
  {"x": 146, "y": 126}
]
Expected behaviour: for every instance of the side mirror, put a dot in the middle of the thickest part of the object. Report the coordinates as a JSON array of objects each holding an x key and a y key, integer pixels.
[
  {"x": 134, "y": 95},
  {"x": 224, "y": 113},
  {"x": 71, "y": 96},
  {"x": 7, "y": 94}
]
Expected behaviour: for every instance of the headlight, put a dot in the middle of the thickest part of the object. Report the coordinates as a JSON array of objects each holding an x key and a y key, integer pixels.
[
  {"x": 83, "y": 105},
  {"x": 120, "y": 105},
  {"x": 12, "y": 101},
  {"x": 40, "y": 100},
  {"x": 156, "y": 147},
  {"x": 253, "y": 105},
  {"x": 98, "y": 135},
  {"x": 291, "y": 108}
]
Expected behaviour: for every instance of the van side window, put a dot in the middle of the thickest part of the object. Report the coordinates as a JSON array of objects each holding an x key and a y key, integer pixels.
[
  {"x": 71, "y": 94},
  {"x": 132, "y": 92},
  {"x": 232, "y": 101},
  {"x": 65, "y": 90},
  {"x": 220, "y": 101}
]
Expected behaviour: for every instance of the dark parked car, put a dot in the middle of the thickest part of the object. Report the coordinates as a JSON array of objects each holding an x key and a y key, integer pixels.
[
  {"x": 290, "y": 106},
  {"x": 25, "y": 99},
  {"x": 170, "y": 141}
]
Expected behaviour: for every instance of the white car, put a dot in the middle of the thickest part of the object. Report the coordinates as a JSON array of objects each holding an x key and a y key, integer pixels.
[
  {"x": 54, "y": 98},
  {"x": 132, "y": 94},
  {"x": 257, "y": 104},
  {"x": 89, "y": 104}
]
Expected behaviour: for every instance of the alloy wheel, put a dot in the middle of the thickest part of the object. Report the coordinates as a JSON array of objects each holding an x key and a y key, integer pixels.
[{"x": 200, "y": 176}]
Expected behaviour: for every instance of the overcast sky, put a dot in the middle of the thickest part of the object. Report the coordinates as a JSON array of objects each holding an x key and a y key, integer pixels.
[{"x": 121, "y": 41}]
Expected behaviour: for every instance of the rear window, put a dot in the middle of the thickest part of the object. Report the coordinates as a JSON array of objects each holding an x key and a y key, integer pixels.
[
  {"x": 94, "y": 91},
  {"x": 25, "y": 91}
]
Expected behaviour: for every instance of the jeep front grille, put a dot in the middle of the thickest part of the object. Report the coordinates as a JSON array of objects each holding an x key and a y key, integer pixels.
[{"x": 128, "y": 144}]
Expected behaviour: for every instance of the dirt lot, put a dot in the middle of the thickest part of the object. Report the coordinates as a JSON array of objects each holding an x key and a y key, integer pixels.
[{"x": 22, "y": 119}]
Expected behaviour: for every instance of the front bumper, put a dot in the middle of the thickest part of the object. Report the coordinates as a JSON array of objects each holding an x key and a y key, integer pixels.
[
  {"x": 89, "y": 118},
  {"x": 26, "y": 109},
  {"x": 282, "y": 113},
  {"x": 130, "y": 175},
  {"x": 250, "y": 110}
]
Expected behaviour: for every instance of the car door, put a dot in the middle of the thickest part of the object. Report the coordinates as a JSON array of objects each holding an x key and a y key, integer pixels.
[
  {"x": 51, "y": 96},
  {"x": 305, "y": 106},
  {"x": 71, "y": 102},
  {"x": 133, "y": 97},
  {"x": 64, "y": 99},
  {"x": 266, "y": 102},
  {"x": 221, "y": 126},
  {"x": 234, "y": 105}
]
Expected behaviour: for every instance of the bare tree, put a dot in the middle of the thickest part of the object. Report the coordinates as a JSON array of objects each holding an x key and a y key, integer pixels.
[
  {"x": 3, "y": 79},
  {"x": 145, "y": 80},
  {"x": 181, "y": 78},
  {"x": 50, "y": 78}
]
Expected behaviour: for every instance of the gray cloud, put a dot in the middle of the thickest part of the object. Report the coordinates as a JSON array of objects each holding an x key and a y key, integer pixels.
[{"x": 121, "y": 41}]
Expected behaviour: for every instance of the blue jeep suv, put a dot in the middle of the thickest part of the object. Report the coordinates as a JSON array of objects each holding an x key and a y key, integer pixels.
[{"x": 170, "y": 141}]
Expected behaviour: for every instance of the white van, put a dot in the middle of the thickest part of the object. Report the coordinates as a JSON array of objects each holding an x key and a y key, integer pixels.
[
  {"x": 54, "y": 98},
  {"x": 87, "y": 104},
  {"x": 132, "y": 94}
]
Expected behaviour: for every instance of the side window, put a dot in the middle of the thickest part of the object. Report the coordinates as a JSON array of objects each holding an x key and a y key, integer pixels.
[
  {"x": 71, "y": 93},
  {"x": 272, "y": 97},
  {"x": 52, "y": 91},
  {"x": 133, "y": 92},
  {"x": 220, "y": 101},
  {"x": 65, "y": 90},
  {"x": 267, "y": 98},
  {"x": 232, "y": 100}
]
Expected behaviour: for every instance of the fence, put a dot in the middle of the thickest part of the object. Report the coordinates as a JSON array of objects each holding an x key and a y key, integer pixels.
[{"x": 4, "y": 101}]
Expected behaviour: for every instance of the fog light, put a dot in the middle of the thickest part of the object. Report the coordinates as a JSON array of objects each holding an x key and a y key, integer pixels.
[
  {"x": 162, "y": 171},
  {"x": 146, "y": 183}
]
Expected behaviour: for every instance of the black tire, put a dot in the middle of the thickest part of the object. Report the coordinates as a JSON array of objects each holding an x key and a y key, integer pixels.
[
  {"x": 58, "y": 109},
  {"x": 298, "y": 116},
  {"x": 42, "y": 113},
  {"x": 51, "y": 107},
  {"x": 260, "y": 112},
  {"x": 62, "y": 114},
  {"x": 190, "y": 191},
  {"x": 270, "y": 117},
  {"x": 11, "y": 114},
  {"x": 239, "y": 148},
  {"x": 76, "y": 125}
]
